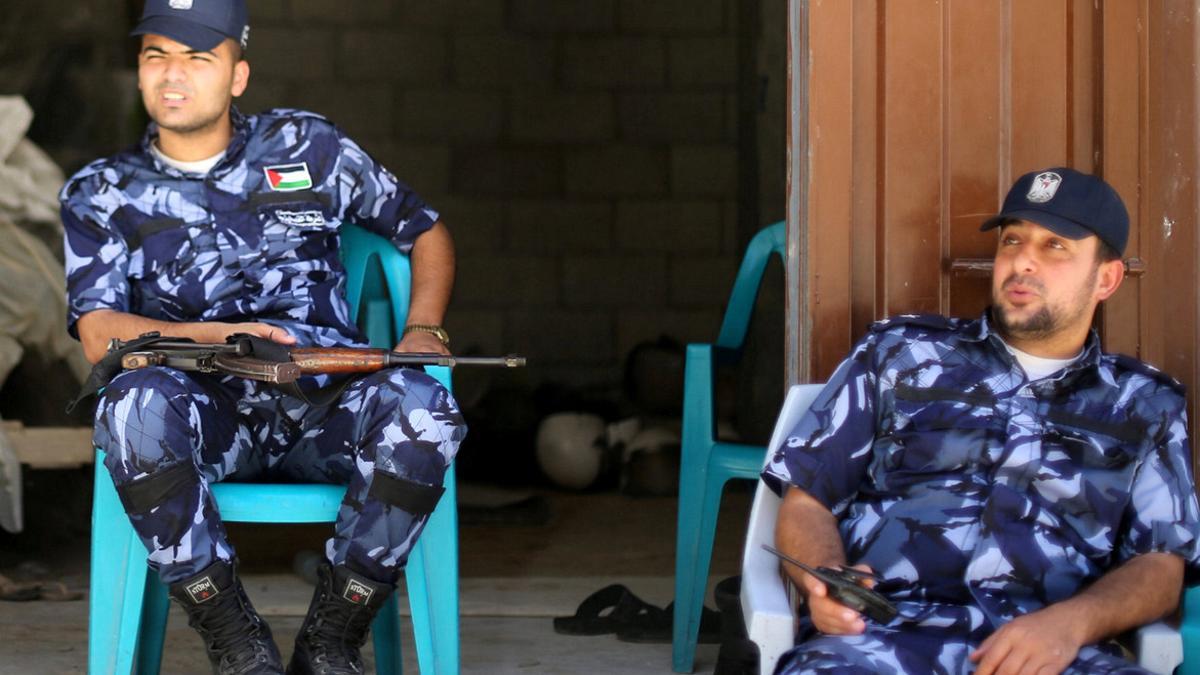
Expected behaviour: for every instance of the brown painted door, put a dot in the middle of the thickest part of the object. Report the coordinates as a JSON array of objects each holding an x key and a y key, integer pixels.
[{"x": 909, "y": 120}]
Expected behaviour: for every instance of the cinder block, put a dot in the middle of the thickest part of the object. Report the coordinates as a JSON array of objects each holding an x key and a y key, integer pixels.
[
  {"x": 564, "y": 16},
  {"x": 614, "y": 281},
  {"x": 363, "y": 110},
  {"x": 562, "y": 336},
  {"x": 709, "y": 170},
  {"x": 460, "y": 16},
  {"x": 671, "y": 116},
  {"x": 477, "y": 225},
  {"x": 562, "y": 117},
  {"x": 408, "y": 57},
  {"x": 451, "y": 115},
  {"x": 491, "y": 280},
  {"x": 560, "y": 226},
  {"x": 491, "y": 171},
  {"x": 263, "y": 93},
  {"x": 264, "y": 11},
  {"x": 478, "y": 331},
  {"x": 671, "y": 226},
  {"x": 702, "y": 282},
  {"x": 671, "y": 16},
  {"x": 503, "y": 61},
  {"x": 295, "y": 54},
  {"x": 637, "y": 324},
  {"x": 424, "y": 168},
  {"x": 620, "y": 170},
  {"x": 350, "y": 12},
  {"x": 703, "y": 60},
  {"x": 615, "y": 62}
]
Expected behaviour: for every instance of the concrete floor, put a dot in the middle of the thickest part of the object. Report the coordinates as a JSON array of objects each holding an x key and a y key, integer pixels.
[{"x": 514, "y": 578}]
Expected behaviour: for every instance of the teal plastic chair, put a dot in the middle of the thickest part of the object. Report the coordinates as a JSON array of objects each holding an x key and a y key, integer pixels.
[
  {"x": 128, "y": 611},
  {"x": 706, "y": 463}
]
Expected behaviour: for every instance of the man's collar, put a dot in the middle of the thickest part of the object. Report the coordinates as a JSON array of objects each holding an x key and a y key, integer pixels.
[
  {"x": 241, "y": 130},
  {"x": 981, "y": 329}
]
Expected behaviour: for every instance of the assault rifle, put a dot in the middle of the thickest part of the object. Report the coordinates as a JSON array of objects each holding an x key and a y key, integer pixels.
[
  {"x": 843, "y": 586},
  {"x": 256, "y": 358}
]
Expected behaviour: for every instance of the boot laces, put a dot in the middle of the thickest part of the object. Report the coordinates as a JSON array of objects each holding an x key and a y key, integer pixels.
[
  {"x": 235, "y": 634},
  {"x": 338, "y": 631}
]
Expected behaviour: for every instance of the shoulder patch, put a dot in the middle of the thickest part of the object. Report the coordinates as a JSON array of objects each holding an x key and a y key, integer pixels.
[
  {"x": 1131, "y": 364},
  {"x": 928, "y": 321},
  {"x": 92, "y": 169}
]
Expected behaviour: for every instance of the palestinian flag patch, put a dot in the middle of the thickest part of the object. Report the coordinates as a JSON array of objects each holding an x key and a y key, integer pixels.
[{"x": 288, "y": 177}]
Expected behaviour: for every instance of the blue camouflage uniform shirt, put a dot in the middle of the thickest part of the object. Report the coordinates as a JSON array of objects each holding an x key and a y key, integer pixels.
[
  {"x": 252, "y": 240},
  {"x": 980, "y": 495}
]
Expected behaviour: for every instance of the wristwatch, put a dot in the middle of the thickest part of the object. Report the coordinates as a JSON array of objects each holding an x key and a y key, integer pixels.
[{"x": 436, "y": 331}]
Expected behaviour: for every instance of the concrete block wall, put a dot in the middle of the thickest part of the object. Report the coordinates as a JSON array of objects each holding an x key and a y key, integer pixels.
[{"x": 582, "y": 152}]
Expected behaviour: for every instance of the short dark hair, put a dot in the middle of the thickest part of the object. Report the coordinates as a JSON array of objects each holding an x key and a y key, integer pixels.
[{"x": 1106, "y": 253}]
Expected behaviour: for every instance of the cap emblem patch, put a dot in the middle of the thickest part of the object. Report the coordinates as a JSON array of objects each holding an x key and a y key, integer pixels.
[
  {"x": 180, "y": 4},
  {"x": 1044, "y": 186}
]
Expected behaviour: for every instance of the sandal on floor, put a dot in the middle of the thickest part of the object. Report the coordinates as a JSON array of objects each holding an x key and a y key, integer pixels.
[
  {"x": 656, "y": 626},
  {"x": 605, "y": 611}
]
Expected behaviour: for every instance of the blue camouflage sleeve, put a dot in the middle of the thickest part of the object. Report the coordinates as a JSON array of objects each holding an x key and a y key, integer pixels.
[
  {"x": 96, "y": 258},
  {"x": 1162, "y": 512},
  {"x": 377, "y": 200},
  {"x": 828, "y": 452}
]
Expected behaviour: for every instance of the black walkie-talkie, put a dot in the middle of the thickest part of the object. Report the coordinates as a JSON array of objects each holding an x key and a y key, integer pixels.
[{"x": 844, "y": 587}]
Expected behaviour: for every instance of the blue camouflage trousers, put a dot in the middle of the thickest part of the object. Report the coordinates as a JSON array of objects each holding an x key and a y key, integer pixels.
[
  {"x": 903, "y": 648},
  {"x": 167, "y": 435}
]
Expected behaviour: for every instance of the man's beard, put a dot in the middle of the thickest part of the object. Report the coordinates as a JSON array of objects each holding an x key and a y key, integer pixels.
[{"x": 1045, "y": 322}]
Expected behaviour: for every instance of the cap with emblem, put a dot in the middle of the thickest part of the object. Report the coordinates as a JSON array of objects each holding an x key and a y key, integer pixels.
[
  {"x": 199, "y": 24},
  {"x": 1072, "y": 204}
]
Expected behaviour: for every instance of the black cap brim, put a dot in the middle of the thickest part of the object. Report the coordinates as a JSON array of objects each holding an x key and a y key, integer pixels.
[
  {"x": 200, "y": 38},
  {"x": 1060, "y": 226}
]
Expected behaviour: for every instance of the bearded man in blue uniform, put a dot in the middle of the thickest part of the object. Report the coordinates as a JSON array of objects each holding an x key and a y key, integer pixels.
[
  {"x": 1022, "y": 495},
  {"x": 220, "y": 223}
]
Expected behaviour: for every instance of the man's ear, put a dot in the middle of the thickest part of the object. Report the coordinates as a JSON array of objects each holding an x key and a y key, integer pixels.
[
  {"x": 241, "y": 77},
  {"x": 1109, "y": 278}
]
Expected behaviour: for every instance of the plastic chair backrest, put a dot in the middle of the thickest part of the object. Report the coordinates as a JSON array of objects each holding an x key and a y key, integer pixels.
[
  {"x": 766, "y": 607},
  {"x": 365, "y": 279},
  {"x": 770, "y": 239}
]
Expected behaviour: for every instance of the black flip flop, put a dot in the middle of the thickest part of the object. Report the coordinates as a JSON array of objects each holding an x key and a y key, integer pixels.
[
  {"x": 605, "y": 611},
  {"x": 655, "y": 626}
]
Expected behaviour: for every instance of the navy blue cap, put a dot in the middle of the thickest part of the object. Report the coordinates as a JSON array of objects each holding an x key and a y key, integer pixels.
[
  {"x": 199, "y": 24},
  {"x": 1072, "y": 204}
]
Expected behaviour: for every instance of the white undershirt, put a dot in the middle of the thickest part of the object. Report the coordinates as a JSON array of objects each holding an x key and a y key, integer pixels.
[
  {"x": 200, "y": 166},
  {"x": 1037, "y": 367}
]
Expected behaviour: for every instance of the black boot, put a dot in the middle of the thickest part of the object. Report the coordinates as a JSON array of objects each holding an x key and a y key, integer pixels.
[
  {"x": 238, "y": 641},
  {"x": 339, "y": 617}
]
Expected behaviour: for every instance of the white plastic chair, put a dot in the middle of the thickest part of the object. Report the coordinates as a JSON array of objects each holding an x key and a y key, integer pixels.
[{"x": 768, "y": 604}]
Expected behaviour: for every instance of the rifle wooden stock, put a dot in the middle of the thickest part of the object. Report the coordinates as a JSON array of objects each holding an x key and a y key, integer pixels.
[{"x": 337, "y": 360}]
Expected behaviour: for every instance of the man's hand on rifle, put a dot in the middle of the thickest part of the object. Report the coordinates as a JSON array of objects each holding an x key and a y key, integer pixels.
[
  {"x": 262, "y": 330},
  {"x": 421, "y": 343}
]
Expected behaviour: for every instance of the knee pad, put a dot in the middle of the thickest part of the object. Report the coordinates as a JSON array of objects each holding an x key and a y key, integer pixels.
[
  {"x": 407, "y": 495},
  {"x": 145, "y": 493}
]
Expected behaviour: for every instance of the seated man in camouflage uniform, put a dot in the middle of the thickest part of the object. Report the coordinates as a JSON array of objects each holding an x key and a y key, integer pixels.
[
  {"x": 1022, "y": 495},
  {"x": 220, "y": 223}
]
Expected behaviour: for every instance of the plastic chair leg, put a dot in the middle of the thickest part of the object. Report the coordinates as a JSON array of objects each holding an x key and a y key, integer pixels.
[
  {"x": 118, "y": 582},
  {"x": 433, "y": 575},
  {"x": 153, "y": 631},
  {"x": 385, "y": 632},
  {"x": 699, "y": 502}
]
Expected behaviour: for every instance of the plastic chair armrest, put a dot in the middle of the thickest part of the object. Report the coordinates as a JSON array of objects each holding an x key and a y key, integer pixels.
[{"x": 1159, "y": 648}]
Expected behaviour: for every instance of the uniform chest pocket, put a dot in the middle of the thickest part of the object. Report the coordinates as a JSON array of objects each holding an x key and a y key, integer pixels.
[
  {"x": 935, "y": 430},
  {"x": 296, "y": 214},
  {"x": 1093, "y": 444},
  {"x": 160, "y": 247}
]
